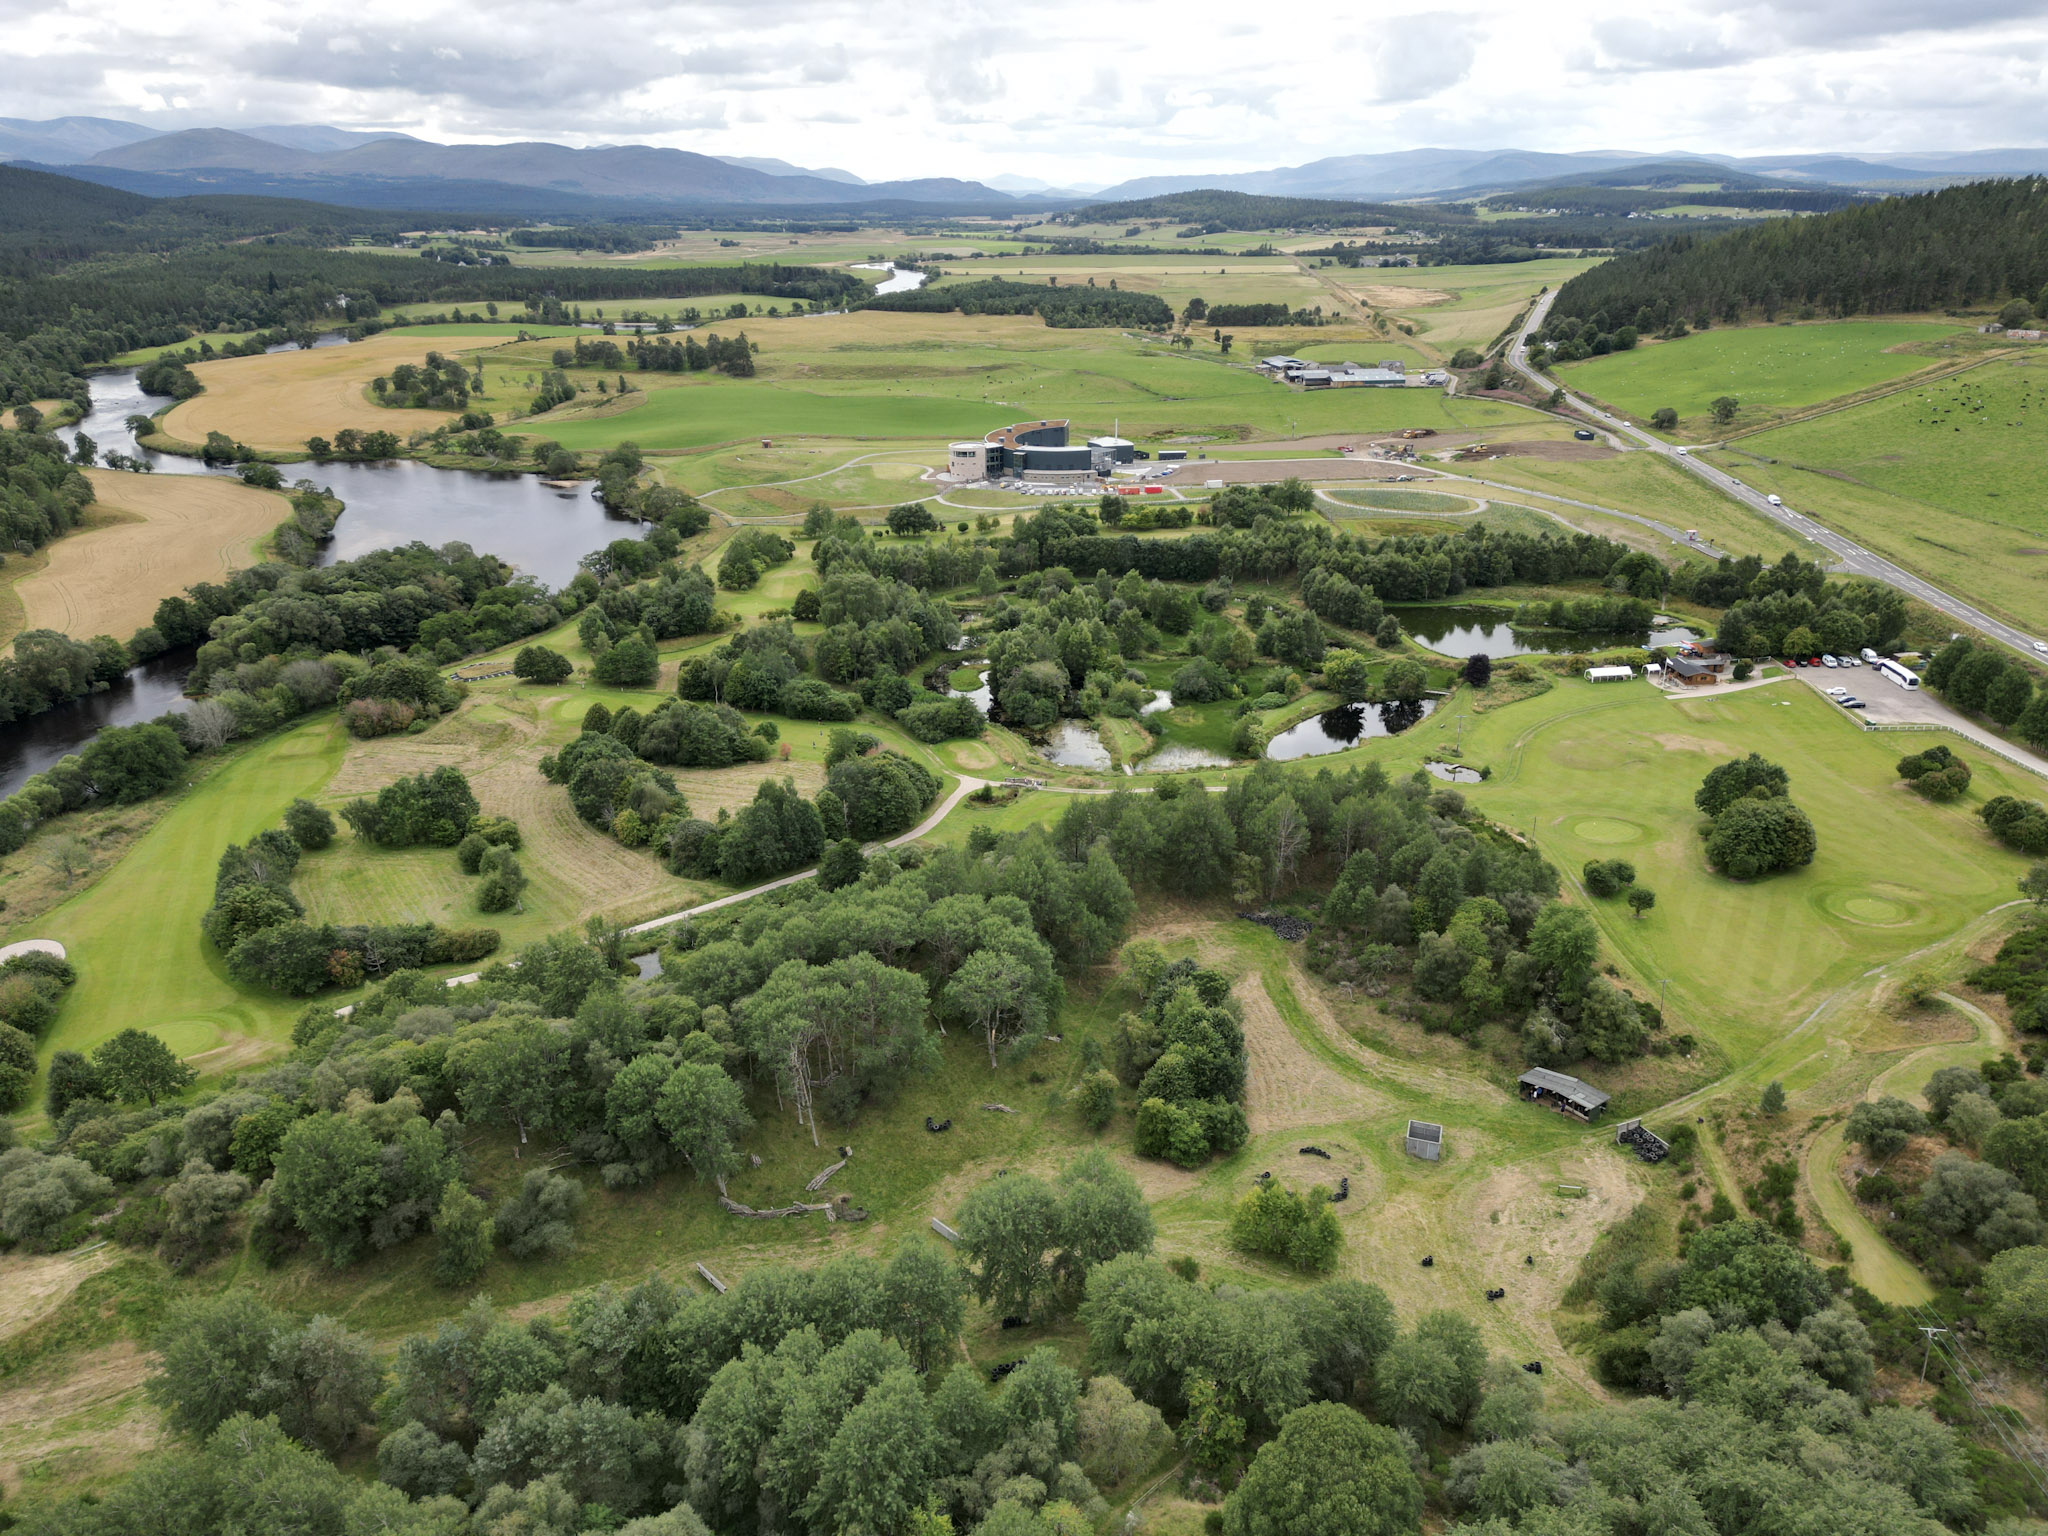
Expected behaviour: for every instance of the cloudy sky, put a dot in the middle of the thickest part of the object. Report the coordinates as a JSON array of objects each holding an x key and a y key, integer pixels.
[{"x": 1064, "y": 90}]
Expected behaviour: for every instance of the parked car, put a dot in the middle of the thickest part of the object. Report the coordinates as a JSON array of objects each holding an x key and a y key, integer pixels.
[
  {"x": 1813, "y": 661},
  {"x": 1836, "y": 693},
  {"x": 1851, "y": 702},
  {"x": 1583, "y": 435},
  {"x": 1829, "y": 661}
]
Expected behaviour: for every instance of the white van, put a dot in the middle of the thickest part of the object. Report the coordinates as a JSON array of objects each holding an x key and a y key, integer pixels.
[
  {"x": 1774, "y": 501},
  {"x": 1870, "y": 656}
]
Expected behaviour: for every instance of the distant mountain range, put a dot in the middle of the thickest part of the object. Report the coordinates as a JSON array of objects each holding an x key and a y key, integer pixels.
[
  {"x": 381, "y": 169},
  {"x": 1464, "y": 172}
]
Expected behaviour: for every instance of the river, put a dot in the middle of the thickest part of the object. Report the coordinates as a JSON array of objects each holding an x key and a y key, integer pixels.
[{"x": 543, "y": 532}]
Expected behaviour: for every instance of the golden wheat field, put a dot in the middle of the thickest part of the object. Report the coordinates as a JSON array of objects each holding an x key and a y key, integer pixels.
[
  {"x": 276, "y": 401},
  {"x": 146, "y": 538}
]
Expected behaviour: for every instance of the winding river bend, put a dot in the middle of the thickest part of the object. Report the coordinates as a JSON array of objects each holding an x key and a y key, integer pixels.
[{"x": 543, "y": 532}]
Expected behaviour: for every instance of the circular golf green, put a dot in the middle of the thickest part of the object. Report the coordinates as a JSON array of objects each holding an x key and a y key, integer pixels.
[
  {"x": 1867, "y": 908},
  {"x": 1606, "y": 829},
  {"x": 188, "y": 1037}
]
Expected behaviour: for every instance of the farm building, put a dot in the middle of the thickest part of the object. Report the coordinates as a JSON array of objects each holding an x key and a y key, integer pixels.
[
  {"x": 1425, "y": 1140},
  {"x": 1279, "y": 365},
  {"x": 1609, "y": 674},
  {"x": 1565, "y": 1094}
]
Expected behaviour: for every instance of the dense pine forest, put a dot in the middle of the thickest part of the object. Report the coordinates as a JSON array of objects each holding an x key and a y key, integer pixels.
[{"x": 1975, "y": 244}]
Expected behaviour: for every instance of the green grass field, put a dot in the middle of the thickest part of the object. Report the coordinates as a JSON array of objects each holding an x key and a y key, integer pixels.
[
  {"x": 1600, "y": 775},
  {"x": 1941, "y": 478},
  {"x": 1642, "y": 483},
  {"x": 1769, "y": 368},
  {"x": 1453, "y": 307},
  {"x": 134, "y": 935},
  {"x": 876, "y": 375}
]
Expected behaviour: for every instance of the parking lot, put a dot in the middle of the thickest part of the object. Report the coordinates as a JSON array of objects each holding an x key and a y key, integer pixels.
[{"x": 1887, "y": 704}]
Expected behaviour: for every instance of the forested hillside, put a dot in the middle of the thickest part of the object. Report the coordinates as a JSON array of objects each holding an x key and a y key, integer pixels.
[{"x": 1975, "y": 244}]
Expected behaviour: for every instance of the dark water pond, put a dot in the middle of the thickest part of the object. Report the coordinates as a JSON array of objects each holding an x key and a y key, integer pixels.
[
  {"x": 1477, "y": 631},
  {"x": 29, "y": 746},
  {"x": 542, "y": 532},
  {"x": 1345, "y": 726}
]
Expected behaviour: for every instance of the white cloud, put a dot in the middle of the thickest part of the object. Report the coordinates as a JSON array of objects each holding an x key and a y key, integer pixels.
[{"x": 1070, "y": 91}]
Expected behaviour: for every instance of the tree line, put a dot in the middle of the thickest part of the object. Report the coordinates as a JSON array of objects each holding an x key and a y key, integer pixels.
[{"x": 1974, "y": 244}]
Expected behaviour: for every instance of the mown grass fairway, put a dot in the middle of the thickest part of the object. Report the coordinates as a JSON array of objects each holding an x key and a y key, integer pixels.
[
  {"x": 1943, "y": 478},
  {"x": 1602, "y": 775},
  {"x": 1769, "y": 368},
  {"x": 148, "y": 537},
  {"x": 134, "y": 935},
  {"x": 1642, "y": 483}
]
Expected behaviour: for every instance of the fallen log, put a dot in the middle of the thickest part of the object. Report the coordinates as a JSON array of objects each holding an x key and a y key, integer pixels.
[
  {"x": 734, "y": 1208},
  {"x": 711, "y": 1280},
  {"x": 999, "y": 1109},
  {"x": 819, "y": 1182}
]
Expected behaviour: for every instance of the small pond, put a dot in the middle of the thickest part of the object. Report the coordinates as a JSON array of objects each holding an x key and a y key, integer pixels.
[
  {"x": 1472, "y": 630},
  {"x": 1345, "y": 726},
  {"x": 1179, "y": 759},
  {"x": 983, "y": 695},
  {"x": 1071, "y": 744},
  {"x": 1454, "y": 773}
]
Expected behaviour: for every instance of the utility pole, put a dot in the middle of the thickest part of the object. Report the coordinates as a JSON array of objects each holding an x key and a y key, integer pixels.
[{"x": 1930, "y": 1332}]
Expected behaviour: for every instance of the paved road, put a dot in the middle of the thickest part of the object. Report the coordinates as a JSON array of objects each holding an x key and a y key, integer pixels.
[{"x": 1849, "y": 556}]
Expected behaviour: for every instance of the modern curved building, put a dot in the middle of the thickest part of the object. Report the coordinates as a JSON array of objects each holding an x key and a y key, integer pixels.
[{"x": 1035, "y": 448}]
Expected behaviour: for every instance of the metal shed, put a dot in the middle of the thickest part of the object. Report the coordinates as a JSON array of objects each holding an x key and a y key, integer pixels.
[
  {"x": 1540, "y": 1085},
  {"x": 1425, "y": 1140}
]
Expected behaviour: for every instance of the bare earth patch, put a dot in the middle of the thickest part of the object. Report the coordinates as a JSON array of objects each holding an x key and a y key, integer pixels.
[
  {"x": 33, "y": 1286},
  {"x": 85, "y": 1420}
]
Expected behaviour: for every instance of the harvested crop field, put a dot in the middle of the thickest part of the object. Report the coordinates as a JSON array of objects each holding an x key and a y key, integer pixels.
[
  {"x": 277, "y": 401},
  {"x": 150, "y": 536}
]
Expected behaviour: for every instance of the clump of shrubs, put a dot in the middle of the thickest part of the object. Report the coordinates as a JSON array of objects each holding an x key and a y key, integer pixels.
[
  {"x": 1608, "y": 877},
  {"x": 1281, "y": 1223},
  {"x": 2020, "y": 824},
  {"x": 1936, "y": 774}
]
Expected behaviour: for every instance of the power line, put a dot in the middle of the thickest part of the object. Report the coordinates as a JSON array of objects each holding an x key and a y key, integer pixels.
[{"x": 1976, "y": 1385}]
